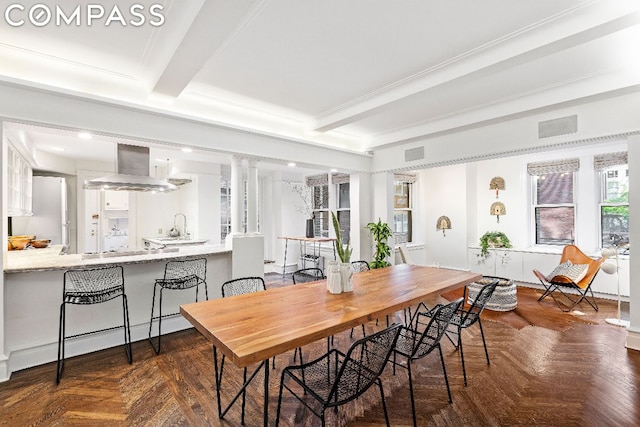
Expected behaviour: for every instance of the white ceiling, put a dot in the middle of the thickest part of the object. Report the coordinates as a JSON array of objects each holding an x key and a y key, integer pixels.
[{"x": 358, "y": 74}]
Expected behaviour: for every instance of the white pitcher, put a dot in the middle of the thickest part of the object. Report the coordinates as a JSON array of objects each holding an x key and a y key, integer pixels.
[
  {"x": 346, "y": 273},
  {"x": 334, "y": 278}
]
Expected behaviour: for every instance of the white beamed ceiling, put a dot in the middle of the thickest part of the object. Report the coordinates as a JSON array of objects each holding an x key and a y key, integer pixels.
[{"x": 358, "y": 74}]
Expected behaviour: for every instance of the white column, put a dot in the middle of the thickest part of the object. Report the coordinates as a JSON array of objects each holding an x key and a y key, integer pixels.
[
  {"x": 252, "y": 197},
  {"x": 236, "y": 195},
  {"x": 4, "y": 360},
  {"x": 633, "y": 337}
]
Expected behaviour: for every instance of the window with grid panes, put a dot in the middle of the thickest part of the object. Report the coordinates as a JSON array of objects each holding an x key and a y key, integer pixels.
[
  {"x": 614, "y": 206},
  {"x": 402, "y": 212},
  {"x": 554, "y": 208}
]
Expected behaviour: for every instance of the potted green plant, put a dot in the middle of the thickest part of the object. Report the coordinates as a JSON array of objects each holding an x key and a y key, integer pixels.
[
  {"x": 493, "y": 239},
  {"x": 381, "y": 233},
  {"x": 344, "y": 253}
]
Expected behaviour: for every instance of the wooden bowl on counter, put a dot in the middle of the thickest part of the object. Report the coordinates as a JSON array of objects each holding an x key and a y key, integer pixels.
[
  {"x": 19, "y": 242},
  {"x": 40, "y": 243}
]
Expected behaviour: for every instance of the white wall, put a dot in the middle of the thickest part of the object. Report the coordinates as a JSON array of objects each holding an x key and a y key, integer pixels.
[
  {"x": 517, "y": 135},
  {"x": 445, "y": 193}
]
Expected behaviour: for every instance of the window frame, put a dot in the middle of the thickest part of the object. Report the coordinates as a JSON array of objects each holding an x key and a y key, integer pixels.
[
  {"x": 408, "y": 210},
  {"x": 535, "y": 206},
  {"x": 602, "y": 201}
]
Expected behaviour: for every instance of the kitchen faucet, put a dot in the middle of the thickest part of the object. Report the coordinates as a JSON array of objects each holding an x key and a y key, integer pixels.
[{"x": 186, "y": 234}]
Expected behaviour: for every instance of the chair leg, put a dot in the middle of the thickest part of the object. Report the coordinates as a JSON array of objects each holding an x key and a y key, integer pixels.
[
  {"x": 280, "y": 399},
  {"x": 444, "y": 370},
  {"x": 127, "y": 329},
  {"x": 153, "y": 303},
  {"x": 61, "y": 332},
  {"x": 486, "y": 352},
  {"x": 464, "y": 371},
  {"x": 413, "y": 403},
  {"x": 384, "y": 405}
]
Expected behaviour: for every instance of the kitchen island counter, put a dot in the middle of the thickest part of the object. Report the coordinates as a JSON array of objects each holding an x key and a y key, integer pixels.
[
  {"x": 51, "y": 258},
  {"x": 32, "y": 293}
]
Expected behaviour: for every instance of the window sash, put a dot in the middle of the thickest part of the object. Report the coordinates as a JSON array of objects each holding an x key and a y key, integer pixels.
[
  {"x": 615, "y": 222},
  {"x": 555, "y": 224}
]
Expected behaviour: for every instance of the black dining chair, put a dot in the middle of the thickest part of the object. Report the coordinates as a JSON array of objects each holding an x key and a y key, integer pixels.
[
  {"x": 358, "y": 267},
  {"x": 240, "y": 286},
  {"x": 178, "y": 276},
  {"x": 337, "y": 378},
  {"x": 464, "y": 318},
  {"x": 305, "y": 275},
  {"x": 87, "y": 287},
  {"x": 414, "y": 344}
]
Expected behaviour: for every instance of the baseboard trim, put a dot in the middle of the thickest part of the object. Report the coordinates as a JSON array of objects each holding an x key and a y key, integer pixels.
[{"x": 29, "y": 357}]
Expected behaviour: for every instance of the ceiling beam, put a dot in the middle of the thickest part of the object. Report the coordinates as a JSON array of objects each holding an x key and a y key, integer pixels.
[
  {"x": 211, "y": 30},
  {"x": 502, "y": 55}
]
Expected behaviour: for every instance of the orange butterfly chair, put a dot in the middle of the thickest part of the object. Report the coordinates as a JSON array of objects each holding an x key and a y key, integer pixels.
[{"x": 563, "y": 283}]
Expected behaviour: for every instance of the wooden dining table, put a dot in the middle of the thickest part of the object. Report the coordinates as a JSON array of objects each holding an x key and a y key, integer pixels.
[{"x": 252, "y": 328}]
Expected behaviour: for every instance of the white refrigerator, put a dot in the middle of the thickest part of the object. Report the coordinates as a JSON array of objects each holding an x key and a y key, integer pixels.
[{"x": 50, "y": 218}]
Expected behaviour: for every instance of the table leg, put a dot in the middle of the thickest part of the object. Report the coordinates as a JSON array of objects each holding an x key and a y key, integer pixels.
[
  {"x": 243, "y": 389},
  {"x": 266, "y": 393}
]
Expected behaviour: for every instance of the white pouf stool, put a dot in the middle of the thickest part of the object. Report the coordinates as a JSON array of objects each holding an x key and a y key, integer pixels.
[{"x": 504, "y": 298}]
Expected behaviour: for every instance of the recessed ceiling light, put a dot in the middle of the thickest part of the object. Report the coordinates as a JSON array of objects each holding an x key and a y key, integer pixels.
[
  {"x": 57, "y": 148},
  {"x": 187, "y": 150},
  {"x": 291, "y": 164},
  {"x": 84, "y": 135}
]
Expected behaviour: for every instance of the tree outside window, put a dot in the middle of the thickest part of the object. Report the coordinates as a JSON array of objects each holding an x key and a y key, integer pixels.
[{"x": 614, "y": 206}]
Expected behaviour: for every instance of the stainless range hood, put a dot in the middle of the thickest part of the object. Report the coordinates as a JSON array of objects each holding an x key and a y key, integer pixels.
[{"x": 132, "y": 173}]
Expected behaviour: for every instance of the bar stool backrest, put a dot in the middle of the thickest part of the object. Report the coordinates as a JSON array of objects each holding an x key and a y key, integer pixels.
[
  {"x": 93, "y": 286},
  {"x": 185, "y": 268},
  {"x": 243, "y": 285}
]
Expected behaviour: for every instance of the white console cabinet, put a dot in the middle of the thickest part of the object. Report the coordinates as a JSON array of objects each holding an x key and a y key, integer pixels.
[{"x": 518, "y": 264}]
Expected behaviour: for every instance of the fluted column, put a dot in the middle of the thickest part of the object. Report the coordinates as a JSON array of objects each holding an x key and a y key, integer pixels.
[
  {"x": 252, "y": 197},
  {"x": 236, "y": 195}
]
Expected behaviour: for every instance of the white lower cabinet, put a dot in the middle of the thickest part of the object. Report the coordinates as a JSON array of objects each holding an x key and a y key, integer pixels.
[{"x": 519, "y": 265}]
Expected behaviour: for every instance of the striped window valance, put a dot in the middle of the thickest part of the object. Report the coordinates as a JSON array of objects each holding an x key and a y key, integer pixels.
[
  {"x": 405, "y": 177},
  {"x": 323, "y": 179},
  {"x": 340, "y": 178},
  {"x": 608, "y": 160},
  {"x": 554, "y": 166},
  {"x": 315, "y": 180}
]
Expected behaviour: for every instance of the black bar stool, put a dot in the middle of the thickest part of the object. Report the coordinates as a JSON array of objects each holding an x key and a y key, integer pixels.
[
  {"x": 92, "y": 286},
  {"x": 178, "y": 276}
]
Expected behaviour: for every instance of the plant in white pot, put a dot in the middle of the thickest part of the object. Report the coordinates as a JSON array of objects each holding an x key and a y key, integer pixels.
[
  {"x": 344, "y": 253},
  {"x": 304, "y": 205}
]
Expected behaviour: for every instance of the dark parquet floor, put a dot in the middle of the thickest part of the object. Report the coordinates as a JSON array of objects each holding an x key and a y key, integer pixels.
[{"x": 568, "y": 371}]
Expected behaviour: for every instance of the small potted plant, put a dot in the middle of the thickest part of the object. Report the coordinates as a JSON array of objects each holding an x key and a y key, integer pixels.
[
  {"x": 493, "y": 239},
  {"x": 381, "y": 233},
  {"x": 344, "y": 253}
]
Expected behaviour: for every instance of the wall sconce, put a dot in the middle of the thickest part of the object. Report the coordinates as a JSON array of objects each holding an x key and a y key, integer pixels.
[
  {"x": 497, "y": 209},
  {"x": 443, "y": 223},
  {"x": 497, "y": 183}
]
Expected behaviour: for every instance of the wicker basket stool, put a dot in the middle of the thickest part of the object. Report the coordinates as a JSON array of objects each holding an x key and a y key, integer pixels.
[{"x": 504, "y": 298}]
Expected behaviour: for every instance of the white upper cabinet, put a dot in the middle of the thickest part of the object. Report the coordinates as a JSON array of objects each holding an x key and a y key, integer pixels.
[
  {"x": 116, "y": 200},
  {"x": 19, "y": 184}
]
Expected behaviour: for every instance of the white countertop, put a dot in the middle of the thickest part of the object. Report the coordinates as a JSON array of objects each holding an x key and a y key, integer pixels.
[
  {"x": 50, "y": 258},
  {"x": 173, "y": 241}
]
